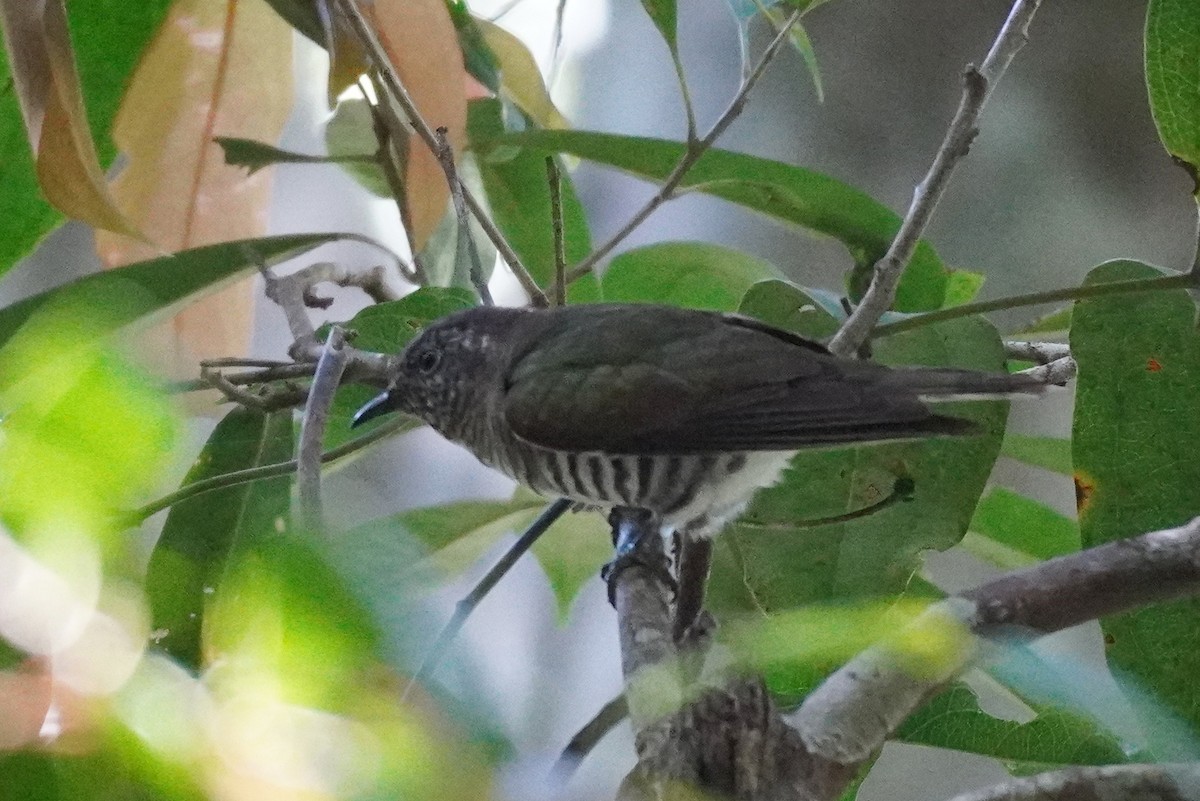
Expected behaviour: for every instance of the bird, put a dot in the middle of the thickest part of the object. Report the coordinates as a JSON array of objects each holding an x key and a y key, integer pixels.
[{"x": 682, "y": 413}]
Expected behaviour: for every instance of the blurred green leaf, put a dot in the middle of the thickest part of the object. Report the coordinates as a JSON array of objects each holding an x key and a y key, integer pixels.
[
  {"x": 478, "y": 58},
  {"x": 1047, "y": 453},
  {"x": 84, "y": 432},
  {"x": 953, "y": 719},
  {"x": 387, "y": 328},
  {"x": 351, "y": 132},
  {"x": 108, "y": 37},
  {"x": 782, "y": 191},
  {"x": 118, "y": 297},
  {"x": 206, "y": 533},
  {"x": 962, "y": 286},
  {"x": 1172, "y": 67},
  {"x": 254, "y": 155},
  {"x": 1024, "y": 524},
  {"x": 696, "y": 275},
  {"x": 775, "y": 558},
  {"x": 1055, "y": 321},
  {"x": 519, "y": 193},
  {"x": 1136, "y": 431}
]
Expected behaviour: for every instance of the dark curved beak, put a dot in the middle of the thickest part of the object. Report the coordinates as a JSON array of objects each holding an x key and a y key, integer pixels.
[{"x": 381, "y": 404}]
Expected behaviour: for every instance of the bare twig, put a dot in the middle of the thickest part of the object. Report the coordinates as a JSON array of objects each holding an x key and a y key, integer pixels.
[
  {"x": 695, "y": 149},
  {"x": 261, "y": 473},
  {"x": 312, "y": 428},
  {"x": 465, "y": 249},
  {"x": 558, "y": 290},
  {"x": 396, "y": 89},
  {"x": 849, "y": 716},
  {"x": 590, "y": 735},
  {"x": 464, "y": 608},
  {"x": 1177, "y": 782},
  {"x": 289, "y": 296},
  {"x": 978, "y": 85},
  {"x": 231, "y": 391}
]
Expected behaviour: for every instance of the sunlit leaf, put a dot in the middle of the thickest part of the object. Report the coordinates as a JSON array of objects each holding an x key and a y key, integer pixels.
[
  {"x": 1136, "y": 429},
  {"x": 1172, "y": 67},
  {"x": 1047, "y": 453},
  {"x": 962, "y": 286},
  {"x": 215, "y": 68},
  {"x": 47, "y": 86},
  {"x": 1055, "y": 321},
  {"x": 691, "y": 274},
  {"x": 519, "y": 192},
  {"x": 781, "y": 191},
  {"x": 520, "y": 79}
]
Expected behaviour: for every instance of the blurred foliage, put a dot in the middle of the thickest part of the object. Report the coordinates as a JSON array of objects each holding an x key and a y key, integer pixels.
[{"x": 247, "y": 660}]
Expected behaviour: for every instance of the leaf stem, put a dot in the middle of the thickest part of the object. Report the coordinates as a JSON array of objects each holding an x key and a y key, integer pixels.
[{"x": 1179, "y": 281}]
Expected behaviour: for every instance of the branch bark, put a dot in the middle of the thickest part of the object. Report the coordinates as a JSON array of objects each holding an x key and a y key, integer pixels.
[{"x": 1123, "y": 782}]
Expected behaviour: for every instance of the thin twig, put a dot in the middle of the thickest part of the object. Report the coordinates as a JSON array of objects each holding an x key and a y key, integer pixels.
[
  {"x": 312, "y": 428},
  {"x": 231, "y": 391},
  {"x": 589, "y": 736},
  {"x": 556, "y": 39},
  {"x": 848, "y": 717},
  {"x": 465, "y": 249},
  {"x": 396, "y": 89},
  {"x": 558, "y": 290},
  {"x": 1177, "y": 281},
  {"x": 1172, "y": 782},
  {"x": 695, "y": 149},
  {"x": 261, "y": 473},
  {"x": 464, "y": 608},
  {"x": 978, "y": 85},
  {"x": 288, "y": 295}
]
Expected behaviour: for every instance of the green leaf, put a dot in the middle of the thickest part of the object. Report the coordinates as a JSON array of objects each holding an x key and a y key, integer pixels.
[
  {"x": 351, "y": 132},
  {"x": 962, "y": 287},
  {"x": 1047, "y": 453},
  {"x": 775, "y": 558},
  {"x": 127, "y": 294},
  {"x": 387, "y": 328},
  {"x": 953, "y": 719},
  {"x": 1055, "y": 321},
  {"x": 206, "y": 533},
  {"x": 458, "y": 534},
  {"x": 444, "y": 264},
  {"x": 801, "y": 43},
  {"x": 108, "y": 37},
  {"x": 692, "y": 274},
  {"x": 808, "y": 312},
  {"x": 664, "y": 16},
  {"x": 1136, "y": 432},
  {"x": 519, "y": 194},
  {"x": 782, "y": 191},
  {"x": 1025, "y": 525},
  {"x": 1173, "y": 77}
]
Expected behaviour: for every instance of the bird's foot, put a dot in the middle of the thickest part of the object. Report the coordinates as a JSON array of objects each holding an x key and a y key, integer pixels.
[{"x": 638, "y": 544}]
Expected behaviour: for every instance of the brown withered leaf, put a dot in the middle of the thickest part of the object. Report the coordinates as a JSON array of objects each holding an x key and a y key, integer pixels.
[
  {"x": 215, "y": 68},
  {"x": 47, "y": 88},
  {"x": 421, "y": 42}
]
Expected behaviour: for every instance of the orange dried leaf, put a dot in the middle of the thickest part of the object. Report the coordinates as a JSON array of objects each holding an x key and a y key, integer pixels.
[
  {"x": 421, "y": 42},
  {"x": 215, "y": 68},
  {"x": 47, "y": 87}
]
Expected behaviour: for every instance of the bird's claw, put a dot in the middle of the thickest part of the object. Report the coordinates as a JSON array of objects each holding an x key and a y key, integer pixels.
[{"x": 624, "y": 561}]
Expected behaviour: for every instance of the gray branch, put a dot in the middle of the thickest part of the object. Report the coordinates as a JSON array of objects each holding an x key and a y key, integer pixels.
[
  {"x": 1108, "y": 783},
  {"x": 312, "y": 428},
  {"x": 978, "y": 85}
]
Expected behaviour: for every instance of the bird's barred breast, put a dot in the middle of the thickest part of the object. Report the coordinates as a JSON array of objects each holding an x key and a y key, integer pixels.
[{"x": 697, "y": 493}]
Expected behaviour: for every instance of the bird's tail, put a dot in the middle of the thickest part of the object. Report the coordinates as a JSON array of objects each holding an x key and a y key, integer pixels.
[{"x": 940, "y": 384}]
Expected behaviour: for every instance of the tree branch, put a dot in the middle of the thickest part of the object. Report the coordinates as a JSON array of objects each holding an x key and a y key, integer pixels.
[
  {"x": 978, "y": 85},
  {"x": 850, "y": 715},
  {"x": 312, "y": 428},
  {"x": 396, "y": 89},
  {"x": 1179, "y": 782},
  {"x": 464, "y": 242}
]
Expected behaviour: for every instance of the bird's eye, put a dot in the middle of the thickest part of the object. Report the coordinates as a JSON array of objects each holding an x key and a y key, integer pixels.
[{"x": 428, "y": 361}]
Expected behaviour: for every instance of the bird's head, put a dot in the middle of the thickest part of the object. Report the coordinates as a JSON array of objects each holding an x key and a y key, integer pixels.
[{"x": 447, "y": 371}]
